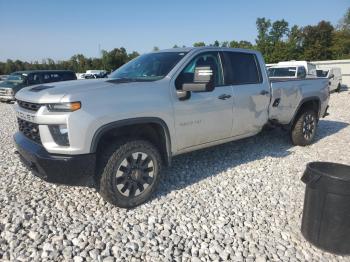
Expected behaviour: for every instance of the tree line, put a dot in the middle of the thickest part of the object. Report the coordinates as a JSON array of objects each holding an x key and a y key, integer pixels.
[{"x": 276, "y": 40}]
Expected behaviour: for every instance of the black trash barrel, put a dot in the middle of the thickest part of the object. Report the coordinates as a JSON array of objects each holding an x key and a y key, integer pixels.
[{"x": 326, "y": 215}]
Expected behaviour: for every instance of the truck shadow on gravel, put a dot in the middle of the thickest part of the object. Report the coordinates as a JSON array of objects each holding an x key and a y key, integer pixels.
[
  {"x": 193, "y": 167},
  {"x": 327, "y": 128}
]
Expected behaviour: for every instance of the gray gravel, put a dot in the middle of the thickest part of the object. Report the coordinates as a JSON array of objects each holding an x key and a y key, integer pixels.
[{"x": 238, "y": 202}]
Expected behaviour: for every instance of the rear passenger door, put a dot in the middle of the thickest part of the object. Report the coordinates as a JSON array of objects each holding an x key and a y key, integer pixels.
[{"x": 251, "y": 95}]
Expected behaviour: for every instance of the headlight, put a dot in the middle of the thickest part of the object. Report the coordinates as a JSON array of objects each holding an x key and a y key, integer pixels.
[
  {"x": 64, "y": 107},
  {"x": 60, "y": 134}
]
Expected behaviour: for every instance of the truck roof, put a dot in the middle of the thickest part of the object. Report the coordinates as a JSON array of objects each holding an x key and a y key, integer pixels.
[
  {"x": 294, "y": 62},
  {"x": 39, "y": 71},
  {"x": 188, "y": 49}
]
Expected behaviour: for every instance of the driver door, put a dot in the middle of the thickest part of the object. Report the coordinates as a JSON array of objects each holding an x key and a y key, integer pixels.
[{"x": 203, "y": 117}]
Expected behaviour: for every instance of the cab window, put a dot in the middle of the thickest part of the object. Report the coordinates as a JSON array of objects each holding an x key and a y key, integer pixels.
[
  {"x": 34, "y": 79},
  {"x": 55, "y": 77},
  {"x": 241, "y": 68},
  {"x": 208, "y": 59},
  {"x": 46, "y": 78}
]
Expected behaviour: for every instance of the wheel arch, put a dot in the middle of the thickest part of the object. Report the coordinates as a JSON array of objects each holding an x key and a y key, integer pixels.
[
  {"x": 151, "y": 128},
  {"x": 313, "y": 102}
]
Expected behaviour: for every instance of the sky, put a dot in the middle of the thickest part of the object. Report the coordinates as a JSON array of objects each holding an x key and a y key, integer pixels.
[{"x": 37, "y": 29}]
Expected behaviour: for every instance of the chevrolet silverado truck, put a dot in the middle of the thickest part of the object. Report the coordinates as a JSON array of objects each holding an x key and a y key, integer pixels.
[{"x": 122, "y": 130}]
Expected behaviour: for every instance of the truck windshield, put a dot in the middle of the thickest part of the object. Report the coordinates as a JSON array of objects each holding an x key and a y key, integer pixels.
[
  {"x": 282, "y": 71},
  {"x": 15, "y": 79},
  {"x": 148, "y": 67}
]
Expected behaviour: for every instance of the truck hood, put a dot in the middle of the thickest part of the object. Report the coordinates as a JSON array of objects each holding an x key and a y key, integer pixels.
[{"x": 55, "y": 92}]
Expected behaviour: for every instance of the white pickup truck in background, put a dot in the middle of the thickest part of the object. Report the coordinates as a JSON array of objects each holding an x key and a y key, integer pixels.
[
  {"x": 309, "y": 67},
  {"x": 334, "y": 75},
  {"x": 287, "y": 72}
]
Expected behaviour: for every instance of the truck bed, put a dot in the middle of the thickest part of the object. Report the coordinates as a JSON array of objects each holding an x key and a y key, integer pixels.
[{"x": 288, "y": 94}]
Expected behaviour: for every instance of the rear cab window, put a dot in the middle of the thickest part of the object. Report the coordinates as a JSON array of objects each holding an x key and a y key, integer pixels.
[
  {"x": 283, "y": 71},
  {"x": 241, "y": 68}
]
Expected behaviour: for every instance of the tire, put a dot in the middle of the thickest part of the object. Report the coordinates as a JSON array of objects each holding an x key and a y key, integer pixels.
[
  {"x": 304, "y": 128},
  {"x": 131, "y": 173}
]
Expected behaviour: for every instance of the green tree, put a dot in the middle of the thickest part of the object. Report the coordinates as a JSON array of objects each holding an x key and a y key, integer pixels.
[
  {"x": 344, "y": 23},
  {"x": 133, "y": 55},
  {"x": 277, "y": 41},
  {"x": 341, "y": 38},
  {"x": 241, "y": 44},
  {"x": 341, "y": 44},
  {"x": 293, "y": 46},
  {"x": 10, "y": 66},
  {"x": 198, "y": 44},
  {"x": 216, "y": 43},
  {"x": 317, "y": 41},
  {"x": 225, "y": 44},
  {"x": 262, "y": 41},
  {"x": 278, "y": 30}
]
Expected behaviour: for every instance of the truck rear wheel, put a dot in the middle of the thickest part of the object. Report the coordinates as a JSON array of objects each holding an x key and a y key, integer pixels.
[
  {"x": 131, "y": 174},
  {"x": 304, "y": 128}
]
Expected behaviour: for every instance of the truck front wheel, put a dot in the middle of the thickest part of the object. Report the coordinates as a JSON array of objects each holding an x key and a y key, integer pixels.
[
  {"x": 131, "y": 173},
  {"x": 304, "y": 128}
]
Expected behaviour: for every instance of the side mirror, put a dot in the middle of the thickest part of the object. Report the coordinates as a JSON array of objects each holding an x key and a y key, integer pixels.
[
  {"x": 202, "y": 80},
  {"x": 331, "y": 76}
]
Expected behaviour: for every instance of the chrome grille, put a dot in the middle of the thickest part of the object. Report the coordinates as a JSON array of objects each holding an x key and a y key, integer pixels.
[
  {"x": 29, "y": 129},
  {"x": 28, "y": 105},
  {"x": 3, "y": 91}
]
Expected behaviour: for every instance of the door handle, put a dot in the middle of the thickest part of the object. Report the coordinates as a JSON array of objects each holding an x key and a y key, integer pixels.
[
  {"x": 264, "y": 92},
  {"x": 224, "y": 96}
]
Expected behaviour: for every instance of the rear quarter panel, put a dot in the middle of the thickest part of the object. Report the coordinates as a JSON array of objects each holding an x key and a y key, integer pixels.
[{"x": 292, "y": 93}]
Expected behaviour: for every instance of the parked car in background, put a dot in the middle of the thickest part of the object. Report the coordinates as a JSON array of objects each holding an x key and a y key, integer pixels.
[
  {"x": 289, "y": 72},
  {"x": 98, "y": 72},
  {"x": 120, "y": 131},
  {"x": 334, "y": 75},
  {"x": 18, "y": 80},
  {"x": 94, "y": 76},
  {"x": 310, "y": 67},
  {"x": 3, "y": 77}
]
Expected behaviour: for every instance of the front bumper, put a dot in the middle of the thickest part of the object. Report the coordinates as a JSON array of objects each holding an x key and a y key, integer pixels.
[{"x": 61, "y": 169}]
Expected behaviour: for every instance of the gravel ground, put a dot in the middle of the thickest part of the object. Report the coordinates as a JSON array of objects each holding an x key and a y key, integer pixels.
[{"x": 241, "y": 201}]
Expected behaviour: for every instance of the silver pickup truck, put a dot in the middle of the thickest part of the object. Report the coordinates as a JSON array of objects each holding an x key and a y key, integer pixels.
[{"x": 122, "y": 130}]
